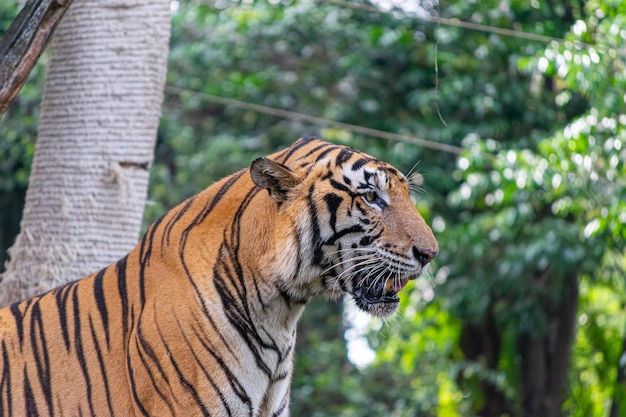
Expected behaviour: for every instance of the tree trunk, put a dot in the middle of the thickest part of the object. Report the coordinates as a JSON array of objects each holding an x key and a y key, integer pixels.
[
  {"x": 99, "y": 117},
  {"x": 545, "y": 360},
  {"x": 618, "y": 402},
  {"x": 482, "y": 342}
]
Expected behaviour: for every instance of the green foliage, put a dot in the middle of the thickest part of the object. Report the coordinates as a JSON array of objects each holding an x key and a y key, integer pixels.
[
  {"x": 533, "y": 216},
  {"x": 598, "y": 347},
  {"x": 421, "y": 366}
]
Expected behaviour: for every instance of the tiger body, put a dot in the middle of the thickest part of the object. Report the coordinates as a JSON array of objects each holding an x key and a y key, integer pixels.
[{"x": 200, "y": 318}]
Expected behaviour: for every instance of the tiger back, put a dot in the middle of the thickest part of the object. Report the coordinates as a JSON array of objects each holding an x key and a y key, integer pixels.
[{"x": 200, "y": 318}]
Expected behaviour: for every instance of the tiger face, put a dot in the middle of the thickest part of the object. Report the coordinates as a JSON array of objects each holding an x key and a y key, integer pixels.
[{"x": 356, "y": 225}]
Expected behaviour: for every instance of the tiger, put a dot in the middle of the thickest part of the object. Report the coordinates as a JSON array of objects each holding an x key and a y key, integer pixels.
[{"x": 199, "y": 319}]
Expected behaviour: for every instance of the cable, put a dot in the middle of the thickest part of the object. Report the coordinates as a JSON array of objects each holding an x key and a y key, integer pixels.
[
  {"x": 286, "y": 114},
  {"x": 467, "y": 25}
]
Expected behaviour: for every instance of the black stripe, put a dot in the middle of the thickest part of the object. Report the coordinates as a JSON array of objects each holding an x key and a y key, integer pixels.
[
  {"x": 40, "y": 354},
  {"x": 61, "y": 295},
  {"x": 297, "y": 145},
  {"x": 316, "y": 237},
  {"x": 29, "y": 399},
  {"x": 243, "y": 318},
  {"x": 98, "y": 293},
  {"x": 19, "y": 321},
  {"x": 333, "y": 201},
  {"x": 200, "y": 218},
  {"x": 338, "y": 235},
  {"x": 237, "y": 318},
  {"x": 360, "y": 207},
  {"x": 200, "y": 364},
  {"x": 236, "y": 226},
  {"x": 183, "y": 243},
  {"x": 341, "y": 187},
  {"x": 344, "y": 155},
  {"x": 133, "y": 387},
  {"x": 283, "y": 405},
  {"x": 368, "y": 175},
  {"x": 329, "y": 148},
  {"x": 171, "y": 222},
  {"x": 359, "y": 163},
  {"x": 78, "y": 346},
  {"x": 161, "y": 394},
  {"x": 235, "y": 385},
  {"x": 5, "y": 383},
  {"x": 236, "y": 307},
  {"x": 288, "y": 299},
  {"x": 222, "y": 192},
  {"x": 145, "y": 253},
  {"x": 103, "y": 369},
  {"x": 120, "y": 270},
  {"x": 184, "y": 382},
  {"x": 257, "y": 290},
  {"x": 143, "y": 349}
]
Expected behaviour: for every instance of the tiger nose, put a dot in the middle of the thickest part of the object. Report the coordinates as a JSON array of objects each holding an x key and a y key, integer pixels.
[{"x": 424, "y": 256}]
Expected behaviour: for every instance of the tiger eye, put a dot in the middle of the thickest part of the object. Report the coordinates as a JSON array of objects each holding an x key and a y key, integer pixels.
[{"x": 370, "y": 196}]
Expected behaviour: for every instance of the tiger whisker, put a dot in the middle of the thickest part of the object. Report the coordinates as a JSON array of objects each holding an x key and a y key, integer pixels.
[
  {"x": 413, "y": 169},
  {"x": 367, "y": 273},
  {"x": 350, "y": 270},
  {"x": 351, "y": 250},
  {"x": 352, "y": 259},
  {"x": 383, "y": 270}
]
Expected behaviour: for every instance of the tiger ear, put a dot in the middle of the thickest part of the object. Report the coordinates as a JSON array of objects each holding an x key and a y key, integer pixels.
[{"x": 274, "y": 177}]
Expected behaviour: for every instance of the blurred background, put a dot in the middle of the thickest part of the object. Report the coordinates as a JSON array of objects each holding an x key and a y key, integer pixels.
[{"x": 514, "y": 115}]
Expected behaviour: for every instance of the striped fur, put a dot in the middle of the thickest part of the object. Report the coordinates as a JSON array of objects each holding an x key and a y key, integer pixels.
[{"x": 200, "y": 318}]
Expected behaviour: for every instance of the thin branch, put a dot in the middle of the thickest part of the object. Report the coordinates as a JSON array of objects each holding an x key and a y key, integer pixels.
[{"x": 24, "y": 42}]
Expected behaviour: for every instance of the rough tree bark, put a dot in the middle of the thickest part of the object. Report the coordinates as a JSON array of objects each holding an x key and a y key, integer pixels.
[{"x": 99, "y": 116}]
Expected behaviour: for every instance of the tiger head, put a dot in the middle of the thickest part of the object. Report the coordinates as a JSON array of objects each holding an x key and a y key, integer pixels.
[{"x": 355, "y": 229}]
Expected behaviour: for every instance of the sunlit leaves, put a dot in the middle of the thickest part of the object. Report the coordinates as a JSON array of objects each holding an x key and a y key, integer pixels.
[{"x": 597, "y": 349}]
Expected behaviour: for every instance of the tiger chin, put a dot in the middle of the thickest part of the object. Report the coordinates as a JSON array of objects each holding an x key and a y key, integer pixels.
[{"x": 200, "y": 318}]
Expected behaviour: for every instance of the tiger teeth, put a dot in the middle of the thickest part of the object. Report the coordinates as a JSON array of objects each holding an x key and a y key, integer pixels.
[
  {"x": 395, "y": 284},
  {"x": 400, "y": 283}
]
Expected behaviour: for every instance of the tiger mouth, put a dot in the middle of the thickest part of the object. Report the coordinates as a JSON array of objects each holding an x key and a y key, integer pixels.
[{"x": 380, "y": 300}]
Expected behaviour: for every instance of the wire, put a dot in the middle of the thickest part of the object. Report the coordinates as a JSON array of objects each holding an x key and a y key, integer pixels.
[
  {"x": 466, "y": 25},
  {"x": 437, "y": 74},
  {"x": 286, "y": 114}
]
